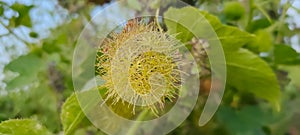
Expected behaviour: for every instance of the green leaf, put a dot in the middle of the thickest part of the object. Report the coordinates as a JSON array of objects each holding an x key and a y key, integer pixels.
[
  {"x": 180, "y": 21},
  {"x": 28, "y": 66},
  {"x": 247, "y": 121},
  {"x": 55, "y": 44},
  {"x": 247, "y": 72},
  {"x": 23, "y": 17},
  {"x": 233, "y": 38},
  {"x": 42, "y": 99},
  {"x": 22, "y": 127},
  {"x": 72, "y": 116},
  {"x": 1, "y": 10},
  {"x": 33, "y": 34},
  {"x": 294, "y": 74},
  {"x": 258, "y": 24},
  {"x": 173, "y": 21},
  {"x": 284, "y": 54}
]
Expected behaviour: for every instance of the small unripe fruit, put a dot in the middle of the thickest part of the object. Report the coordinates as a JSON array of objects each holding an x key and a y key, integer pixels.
[
  {"x": 234, "y": 10},
  {"x": 263, "y": 41}
]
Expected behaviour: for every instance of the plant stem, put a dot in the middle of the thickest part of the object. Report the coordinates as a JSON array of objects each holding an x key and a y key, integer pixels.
[
  {"x": 157, "y": 20},
  {"x": 281, "y": 22},
  {"x": 135, "y": 126},
  {"x": 250, "y": 2}
]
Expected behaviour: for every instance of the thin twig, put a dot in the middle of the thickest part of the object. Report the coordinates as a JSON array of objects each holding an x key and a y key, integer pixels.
[
  {"x": 11, "y": 32},
  {"x": 4, "y": 35}
]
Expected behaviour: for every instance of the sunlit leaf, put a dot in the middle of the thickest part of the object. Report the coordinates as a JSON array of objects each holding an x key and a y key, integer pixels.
[
  {"x": 72, "y": 116},
  {"x": 294, "y": 74},
  {"x": 247, "y": 72},
  {"x": 284, "y": 54},
  {"x": 22, "y": 127}
]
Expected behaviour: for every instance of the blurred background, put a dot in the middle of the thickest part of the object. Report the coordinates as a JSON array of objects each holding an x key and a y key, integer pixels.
[{"x": 38, "y": 37}]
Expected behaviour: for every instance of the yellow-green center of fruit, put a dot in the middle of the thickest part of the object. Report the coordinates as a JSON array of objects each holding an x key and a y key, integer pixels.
[{"x": 147, "y": 64}]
